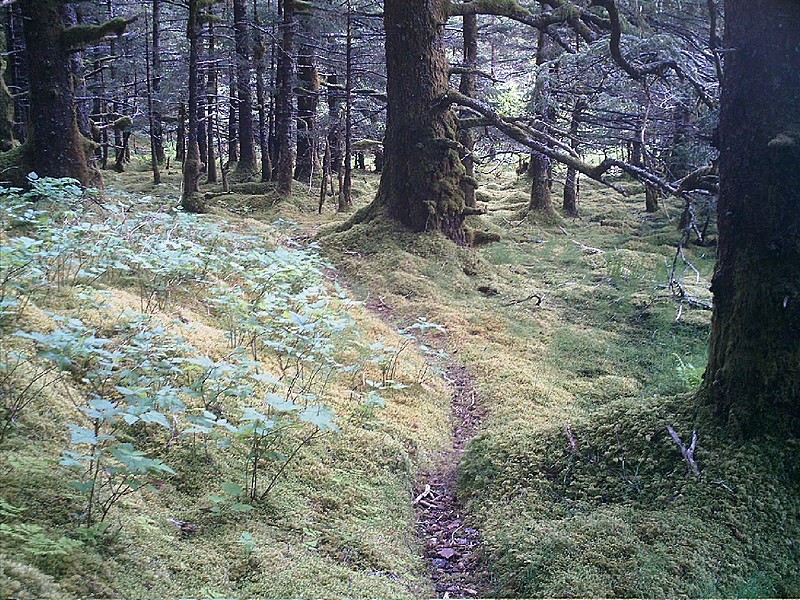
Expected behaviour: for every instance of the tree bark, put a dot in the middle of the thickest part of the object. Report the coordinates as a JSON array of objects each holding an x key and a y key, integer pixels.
[
  {"x": 346, "y": 173},
  {"x": 336, "y": 93},
  {"x": 753, "y": 377},
  {"x": 192, "y": 166},
  {"x": 150, "y": 113},
  {"x": 72, "y": 18},
  {"x": 571, "y": 195},
  {"x": 421, "y": 183},
  {"x": 55, "y": 146},
  {"x": 307, "y": 101},
  {"x": 180, "y": 134},
  {"x": 6, "y": 102},
  {"x": 259, "y": 56},
  {"x": 247, "y": 145},
  {"x": 285, "y": 124},
  {"x": 17, "y": 74},
  {"x": 158, "y": 127},
  {"x": 233, "y": 119},
  {"x": 211, "y": 106},
  {"x": 540, "y": 170},
  {"x": 468, "y": 87}
]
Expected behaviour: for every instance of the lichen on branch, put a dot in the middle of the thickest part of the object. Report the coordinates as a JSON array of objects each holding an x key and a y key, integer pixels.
[{"x": 85, "y": 35}]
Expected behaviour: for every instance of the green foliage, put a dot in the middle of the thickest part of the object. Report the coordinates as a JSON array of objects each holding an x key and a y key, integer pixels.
[{"x": 32, "y": 542}]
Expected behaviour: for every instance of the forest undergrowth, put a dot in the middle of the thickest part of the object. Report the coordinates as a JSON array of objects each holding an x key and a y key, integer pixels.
[{"x": 206, "y": 407}]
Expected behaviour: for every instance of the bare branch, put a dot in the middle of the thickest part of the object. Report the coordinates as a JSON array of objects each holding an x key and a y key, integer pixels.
[
  {"x": 658, "y": 68},
  {"x": 687, "y": 453},
  {"x": 541, "y": 142}
]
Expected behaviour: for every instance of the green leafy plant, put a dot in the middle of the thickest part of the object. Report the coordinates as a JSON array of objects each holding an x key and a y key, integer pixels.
[{"x": 231, "y": 500}]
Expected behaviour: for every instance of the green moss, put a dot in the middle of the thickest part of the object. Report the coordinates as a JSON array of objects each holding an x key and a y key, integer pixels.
[
  {"x": 82, "y": 35},
  {"x": 124, "y": 123}
]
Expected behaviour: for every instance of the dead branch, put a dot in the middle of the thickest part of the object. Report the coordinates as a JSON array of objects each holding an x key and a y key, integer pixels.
[
  {"x": 687, "y": 453},
  {"x": 427, "y": 492},
  {"x": 543, "y": 143},
  {"x": 658, "y": 68},
  {"x": 588, "y": 249},
  {"x": 530, "y": 297},
  {"x": 573, "y": 441},
  {"x": 477, "y": 72}
]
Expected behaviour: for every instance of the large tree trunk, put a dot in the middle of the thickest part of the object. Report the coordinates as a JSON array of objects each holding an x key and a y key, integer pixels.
[
  {"x": 6, "y": 103},
  {"x": 211, "y": 106},
  {"x": 259, "y": 57},
  {"x": 753, "y": 375},
  {"x": 17, "y": 74},
  {"x": 422, "y": 177},
  {"x": 158, "y": 128},
  {"x": 191, "y": 200},
  {"x": 285, "y": 125},
  {"x": 468, "y": 87},
  {"x": 540, "y": 168},
  {"x": 55, "y": 146},
  {"x": 247, "y": 145},
  {"x": 307, "y": 101}
]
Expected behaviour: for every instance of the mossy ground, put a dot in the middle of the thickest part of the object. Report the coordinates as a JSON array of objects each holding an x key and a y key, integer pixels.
[
  {"x": 575, "y": 483},
  {"x": 608, "y": 360}
]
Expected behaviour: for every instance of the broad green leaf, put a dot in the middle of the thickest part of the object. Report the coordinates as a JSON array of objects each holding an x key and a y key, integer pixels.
[
  {"x": 232, "y": 488},
  {"x": 321, "y": 416}
]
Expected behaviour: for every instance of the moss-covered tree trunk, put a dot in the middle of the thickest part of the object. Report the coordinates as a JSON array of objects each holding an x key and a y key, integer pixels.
[
  {"x": 55, "y": 146},
  {"x": 753, "y": 377},
  {"x": 468, "y": 87},
  {"x": 247, "y": 144},
  {"x": 421, "y": 183}
]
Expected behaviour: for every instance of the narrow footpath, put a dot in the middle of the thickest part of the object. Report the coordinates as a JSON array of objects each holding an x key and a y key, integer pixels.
[{"x": 452, "y": 547}]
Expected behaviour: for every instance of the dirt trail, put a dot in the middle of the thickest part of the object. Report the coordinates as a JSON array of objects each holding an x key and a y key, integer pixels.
[{"x": 452, "y": 547}]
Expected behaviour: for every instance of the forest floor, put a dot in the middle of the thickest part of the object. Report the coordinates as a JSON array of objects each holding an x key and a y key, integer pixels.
[
  {"x": 452, "y": 543},
  {"x": 502, "y": 415}
]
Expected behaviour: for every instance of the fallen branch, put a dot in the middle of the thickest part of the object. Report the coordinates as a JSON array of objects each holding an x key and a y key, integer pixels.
[
  {"x": 531, "y": 297},
  {"x": 687, "y": 453},
  {"x": 588, "y": 249},
  {"x": 427, "y": 492}
]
